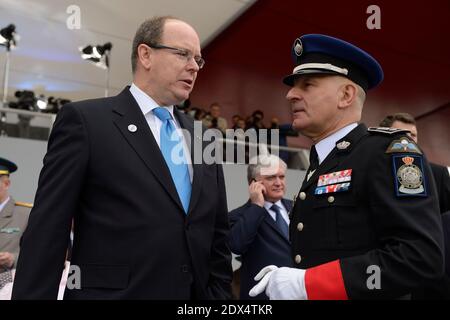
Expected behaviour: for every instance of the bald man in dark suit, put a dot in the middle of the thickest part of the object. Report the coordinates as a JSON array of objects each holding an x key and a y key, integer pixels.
[{"x": 145, "y": 226}]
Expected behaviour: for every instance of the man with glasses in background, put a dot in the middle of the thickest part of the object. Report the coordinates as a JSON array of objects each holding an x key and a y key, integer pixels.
[{"x": 148, "y": 222}]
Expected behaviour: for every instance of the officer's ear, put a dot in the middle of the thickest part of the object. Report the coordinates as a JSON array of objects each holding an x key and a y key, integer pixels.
[{"x": 347, "y": 94}]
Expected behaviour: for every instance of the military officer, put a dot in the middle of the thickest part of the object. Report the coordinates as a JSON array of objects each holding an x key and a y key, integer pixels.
[
  {"x": 366, "y": 220},
  {"x": 13, "y": 218}
]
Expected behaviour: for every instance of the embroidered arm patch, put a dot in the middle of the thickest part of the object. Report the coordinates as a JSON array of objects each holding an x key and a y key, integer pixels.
[
  {"x": 386, "y": 130},
  {"x": 408, "y": 175},
  {"x": 404, "y": 144}
]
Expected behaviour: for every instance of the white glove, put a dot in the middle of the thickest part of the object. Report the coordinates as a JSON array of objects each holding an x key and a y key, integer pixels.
[
  {"x": 281, "y": 283},
  {"x": 265, "y": 272},
  {"x": 287, "y": 284}
]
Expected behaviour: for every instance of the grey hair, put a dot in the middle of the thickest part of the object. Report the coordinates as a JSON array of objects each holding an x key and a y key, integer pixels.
[{"x": 261, "y": 162}]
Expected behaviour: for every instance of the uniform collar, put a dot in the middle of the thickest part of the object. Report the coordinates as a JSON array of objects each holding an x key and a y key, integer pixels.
[
  {"x": 3, "y": 204},
  {"x": 7, "y": 208},
  {"x": 325, "y": 146}
]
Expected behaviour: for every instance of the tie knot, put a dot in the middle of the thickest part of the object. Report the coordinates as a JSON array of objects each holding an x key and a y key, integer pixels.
[
  {"x": 162, "y": 113},
  {"x": 275, "y": 208}
]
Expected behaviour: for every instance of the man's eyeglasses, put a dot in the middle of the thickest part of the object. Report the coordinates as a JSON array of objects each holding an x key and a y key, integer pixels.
[{"x": 186, "y": 54}]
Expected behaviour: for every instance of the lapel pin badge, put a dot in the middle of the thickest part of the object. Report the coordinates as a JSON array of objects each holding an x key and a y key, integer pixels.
[
  {"x": 132, "y": 128},
  {"x": 343, "y": 145},
  {"x": 310, "y": 175}
]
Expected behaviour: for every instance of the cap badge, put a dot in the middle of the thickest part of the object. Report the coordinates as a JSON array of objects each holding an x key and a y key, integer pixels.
[{"x": 298, "y": 47}]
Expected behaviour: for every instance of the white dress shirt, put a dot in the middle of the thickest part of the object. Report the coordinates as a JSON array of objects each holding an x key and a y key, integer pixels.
[
  {"x": 325, "y": 146},
  {"x": 273, "y": 214},
  {"x": 147, "y": 104}
]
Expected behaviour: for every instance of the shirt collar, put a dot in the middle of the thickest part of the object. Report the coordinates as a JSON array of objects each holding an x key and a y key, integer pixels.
[
  {"x": 324, "y": 147},
  {"x": 268, "y": 204},
  {"x": 3, "y": 204},
  {"x": 145, "y": 102}
]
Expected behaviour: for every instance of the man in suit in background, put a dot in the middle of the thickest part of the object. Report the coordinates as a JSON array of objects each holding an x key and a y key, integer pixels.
[
  {"x": 13, "y": 218},
  {"x": 440, "y": 173},
  {"x": 259, "y": 228},
  {"x": 148, "y": 223}
]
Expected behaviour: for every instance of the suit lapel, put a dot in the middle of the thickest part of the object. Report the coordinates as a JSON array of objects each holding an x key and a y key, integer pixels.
[
  {"x": 193, "y": 138},
  {"x": 271, "y": 222},
  {"x": 127, "y": 112},
  {"x": 328, "y": 164},
  {"x": 287, "y": 204}
]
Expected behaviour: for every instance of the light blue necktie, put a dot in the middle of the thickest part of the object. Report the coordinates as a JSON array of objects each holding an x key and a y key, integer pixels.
[
  {"x": 281, "y": 223},
  {"x": 176, "y": 161}
]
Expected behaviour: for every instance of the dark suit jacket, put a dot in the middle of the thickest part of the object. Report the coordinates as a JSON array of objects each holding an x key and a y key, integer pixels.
[
  {"x": 255, "y": 236},
  {"x": 442, "y": 180},
  {"x": 132, "y": 239}
]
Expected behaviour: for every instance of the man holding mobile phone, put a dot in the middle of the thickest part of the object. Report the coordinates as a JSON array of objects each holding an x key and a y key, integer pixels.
[{"x": 260, "y": 227}]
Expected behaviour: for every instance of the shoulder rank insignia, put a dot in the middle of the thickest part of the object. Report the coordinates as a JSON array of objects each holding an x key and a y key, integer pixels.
[
  {"x": 24, "y": 204},
  {"x": 409, "y": 177},
  {"x": 403, "y": 145},
  {"x": 386, "y": 130}
]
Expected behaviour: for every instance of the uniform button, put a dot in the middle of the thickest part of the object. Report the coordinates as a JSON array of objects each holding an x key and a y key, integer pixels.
[
  {"x": 330, "y": 199},
  {"x": 298, "y": 259},
  {"x": 300, "y": 226},
  {"x": 302, "y": 196},
  {"x": 184, "y": 268}
]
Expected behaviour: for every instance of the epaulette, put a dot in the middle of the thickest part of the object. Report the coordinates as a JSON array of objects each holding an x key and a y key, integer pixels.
[
  {"x": 386, "y": 130},
  {"x": 24, "y": 204}
]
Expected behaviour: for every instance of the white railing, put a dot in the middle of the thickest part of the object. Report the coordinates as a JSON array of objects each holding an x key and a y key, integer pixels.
[
  {"x": 298, "y": 157},
  {"x": 25, "y": 118}
]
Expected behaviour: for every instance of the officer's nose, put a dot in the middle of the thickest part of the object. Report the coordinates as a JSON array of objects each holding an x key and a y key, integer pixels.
[
  {"x": 293, "y": 95},
  {"x": 278, "y": 181}
]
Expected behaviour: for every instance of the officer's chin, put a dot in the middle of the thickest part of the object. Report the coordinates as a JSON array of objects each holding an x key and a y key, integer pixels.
[{"x": 298, "y": 125}]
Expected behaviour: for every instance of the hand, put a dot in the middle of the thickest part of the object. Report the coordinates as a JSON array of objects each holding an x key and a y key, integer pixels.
[
  {"x": 264, "y": 274},
  {"x": 257, "y": 192},
  {"x": 287, "y": 284},
  {"x": 281, "y": 283},
  {"x": 6, "y": 260}
]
